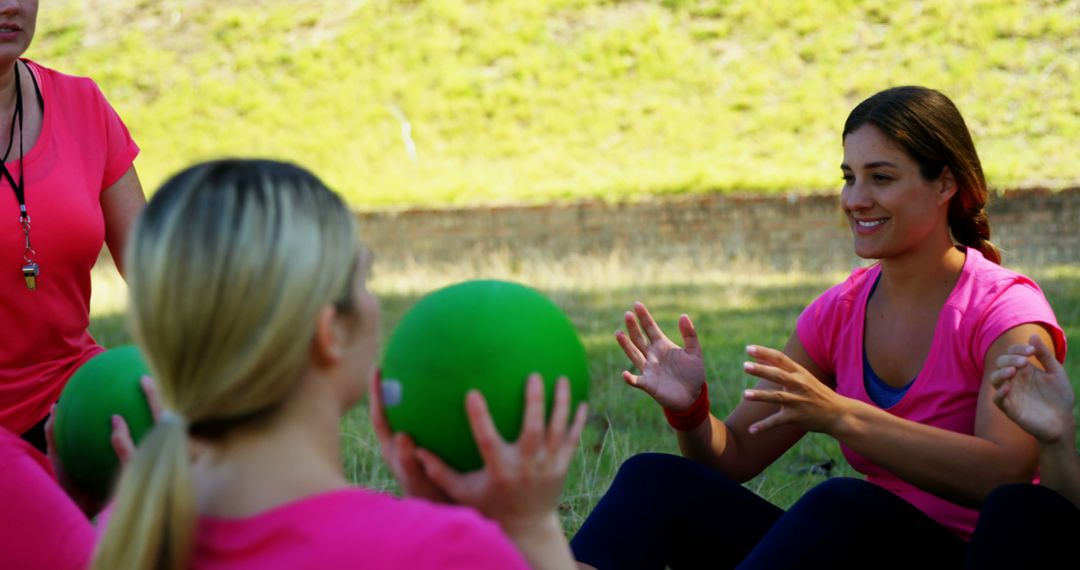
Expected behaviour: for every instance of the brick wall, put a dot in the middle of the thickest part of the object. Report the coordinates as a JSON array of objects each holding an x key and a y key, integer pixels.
[{"x": 1033, "y": 227}]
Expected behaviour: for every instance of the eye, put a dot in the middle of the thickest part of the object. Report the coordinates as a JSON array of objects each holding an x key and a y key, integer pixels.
[
  {"x": 848, "y": 178},
  {"x": 879, "y": 177}
]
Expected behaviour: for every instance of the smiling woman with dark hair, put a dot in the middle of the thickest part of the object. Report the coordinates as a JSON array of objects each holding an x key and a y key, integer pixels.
[{"x": 894, "y": 363}]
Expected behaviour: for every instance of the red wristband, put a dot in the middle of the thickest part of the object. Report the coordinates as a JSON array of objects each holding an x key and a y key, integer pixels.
[{"x": 691, "y": 417}]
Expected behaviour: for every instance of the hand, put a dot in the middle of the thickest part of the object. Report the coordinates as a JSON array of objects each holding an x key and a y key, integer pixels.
[
  {"x": 804, "y": 401},
  {"x": 122, "y": 444},
  {"x": 1040, "y": 401},
  {"x": 399, "y": 450},
  {"x": 520, "y": 482},
  {"x": 121, "y": 440},
  {"x": 673, "y": 376}
]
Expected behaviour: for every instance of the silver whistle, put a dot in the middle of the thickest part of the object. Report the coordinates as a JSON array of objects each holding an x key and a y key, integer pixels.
[{"x": 30, "y": 272}]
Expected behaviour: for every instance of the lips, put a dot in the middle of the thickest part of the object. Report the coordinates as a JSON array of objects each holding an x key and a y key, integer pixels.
[
  {"x": 866, "y": 226},
  {"x": 8, "y": 28}
]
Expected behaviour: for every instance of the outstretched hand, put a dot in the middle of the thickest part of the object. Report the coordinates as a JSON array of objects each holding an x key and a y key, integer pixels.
[
  {"x": 803, "y": 399},
  {"x": 1040, "y": 401},
  {"x": 520, "y": 483},
  {"x": 671, "y": 374}
]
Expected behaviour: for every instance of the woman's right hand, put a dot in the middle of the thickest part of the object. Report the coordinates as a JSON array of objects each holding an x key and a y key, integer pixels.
[
  {"x": 520, "y": 483},
  {"x": 671, "y": 374}
]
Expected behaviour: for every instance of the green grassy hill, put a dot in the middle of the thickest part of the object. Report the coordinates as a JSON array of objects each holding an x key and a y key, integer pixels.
[{"x": 453, "y": 102}]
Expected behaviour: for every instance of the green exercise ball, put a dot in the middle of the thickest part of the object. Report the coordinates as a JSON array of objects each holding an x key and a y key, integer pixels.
[
  {"x": 105, "y": 385},
  {"x": 487, "y": 335}
]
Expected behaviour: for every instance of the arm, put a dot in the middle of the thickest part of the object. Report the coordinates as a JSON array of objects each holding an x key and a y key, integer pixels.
[
  {"x": 673, "y": 376},
  {"x": 1041, "y": 402},
  {"x": 958, "y": 467},
  {"x": 120, "y": 204}
]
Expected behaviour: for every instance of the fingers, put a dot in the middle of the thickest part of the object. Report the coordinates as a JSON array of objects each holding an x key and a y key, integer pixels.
[
  {"x": 648, "y": 323},
  {"x": 772, "y": 374},
  {"x": 488, "y": 440},
  {"x": 441, "y": 475},
  {"x": 376, "y": 411},
  {"x": 777, "y": 358},
  {"x": 636, "y": 356},
  {"x": 1014, "y": 359},
  {"x": 1045, "y": 355},
  {"x": 689, "y": 335},
  {"x": 999, "y": 376},
  {"x": 999, "y": 397},
  {"x": 633, "y": 330},
  {"x": 121, "y": 440},
  {"x": 771, "y": 396},
  {"x": 779, "y": 418},
  {"x": 50, "y": 432},
  {"x": 153, "y": 398},
  {"x": 559, "y": 413},
  {"x": 570, "y": 443},
  {"x": 532, "y": 428}
]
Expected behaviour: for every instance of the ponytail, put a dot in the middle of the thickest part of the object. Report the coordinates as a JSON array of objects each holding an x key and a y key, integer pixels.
[
  {"x": 152, "y": 525},
  {"x": 971, "y": 227}
]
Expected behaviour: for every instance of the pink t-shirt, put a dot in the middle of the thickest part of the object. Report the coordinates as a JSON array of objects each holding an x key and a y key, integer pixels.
[
  {"x": 83, "y": 149},
  {"x": 355, "y": 528},
  {"x": 39, "y": 526},
  {"x": 986, "y": 301}
]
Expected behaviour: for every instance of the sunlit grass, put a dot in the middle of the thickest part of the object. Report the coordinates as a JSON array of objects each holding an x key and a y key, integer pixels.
[
  {"x": 731, "y": 306},
  {"x": 458, "y": 101}
]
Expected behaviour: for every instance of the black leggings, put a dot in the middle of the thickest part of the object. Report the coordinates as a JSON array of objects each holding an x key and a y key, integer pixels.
[
  {"x": 1025, "y": 526},
  {"x": 664, "y": 510}
]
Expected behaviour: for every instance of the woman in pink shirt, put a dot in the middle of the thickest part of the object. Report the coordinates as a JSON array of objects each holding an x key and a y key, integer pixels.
[
  {"x": 67, "y": 187},
  {"x": 894, "y": 363},
  {"x": 248, "y": 298}
]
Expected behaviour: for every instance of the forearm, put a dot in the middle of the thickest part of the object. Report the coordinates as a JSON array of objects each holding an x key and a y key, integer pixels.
[
  {"x": 958, "y": 467},
  {"x": 1059, "y": 467},
  {"x": 705, "y": 443},
  {"x": 544, "y": 545}
]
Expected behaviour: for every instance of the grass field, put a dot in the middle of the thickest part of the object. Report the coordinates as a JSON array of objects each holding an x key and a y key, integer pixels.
[
  {"x": 731, "y": 308},
  {"x": 404, "y": 102}
]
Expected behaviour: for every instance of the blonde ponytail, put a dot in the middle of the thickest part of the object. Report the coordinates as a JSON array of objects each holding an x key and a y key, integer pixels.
[{"x": 153, "y": 521}]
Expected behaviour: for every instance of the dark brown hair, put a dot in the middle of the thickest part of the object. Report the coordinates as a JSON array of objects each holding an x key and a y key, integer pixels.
[{"x": 928, "y": 126}]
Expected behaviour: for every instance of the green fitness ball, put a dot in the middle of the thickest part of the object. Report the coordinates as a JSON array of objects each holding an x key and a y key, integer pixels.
[
  {"x": 105, "y": 385},
  {"x": 487, "y": 335}
]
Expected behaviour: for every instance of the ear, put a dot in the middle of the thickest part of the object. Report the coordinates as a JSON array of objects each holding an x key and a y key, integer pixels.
[
  {"x": 948, "y": 186},
  {"x": 328, "y": 343}
]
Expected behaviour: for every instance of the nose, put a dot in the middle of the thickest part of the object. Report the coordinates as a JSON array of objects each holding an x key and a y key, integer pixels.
[{"x": 856, "y": 196}]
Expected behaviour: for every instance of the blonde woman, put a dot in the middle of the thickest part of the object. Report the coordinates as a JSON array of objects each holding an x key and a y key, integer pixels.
[{"x": 247, "y": 294}]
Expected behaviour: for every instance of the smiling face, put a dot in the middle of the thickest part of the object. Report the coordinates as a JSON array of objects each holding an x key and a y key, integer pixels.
[
  {"x": 18, "y": 19},
  {"x": 890, "y": 207}
]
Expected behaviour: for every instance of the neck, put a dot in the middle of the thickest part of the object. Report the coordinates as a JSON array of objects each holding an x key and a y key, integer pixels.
[
  {"x": 295, "y": 455},
  {"x": 7, "y": 85},
  {"x": 924, "y": 275}
]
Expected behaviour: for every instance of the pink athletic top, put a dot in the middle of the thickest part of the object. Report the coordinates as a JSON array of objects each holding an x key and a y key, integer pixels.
[
  {"x": 986, "y": 301},
  {"x": 40, "y": 528},
  {"x": 83, "y": 149},
  {"x": 355, "y": 528}
]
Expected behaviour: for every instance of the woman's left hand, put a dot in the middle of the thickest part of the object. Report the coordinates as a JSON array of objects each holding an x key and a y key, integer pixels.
[{"x": 804, "y": 401}]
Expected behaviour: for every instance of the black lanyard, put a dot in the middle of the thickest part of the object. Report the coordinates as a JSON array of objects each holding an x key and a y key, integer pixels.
[
  {"x": 30, "y": 268},
  {"x": 19, "y": 187}
]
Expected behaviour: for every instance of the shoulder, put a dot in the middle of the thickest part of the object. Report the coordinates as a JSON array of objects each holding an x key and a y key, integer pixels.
[
  {"x": 985, "y": 285},
  {"x": 994, "y": 299},
  {"x": 71, "y": 89}
]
